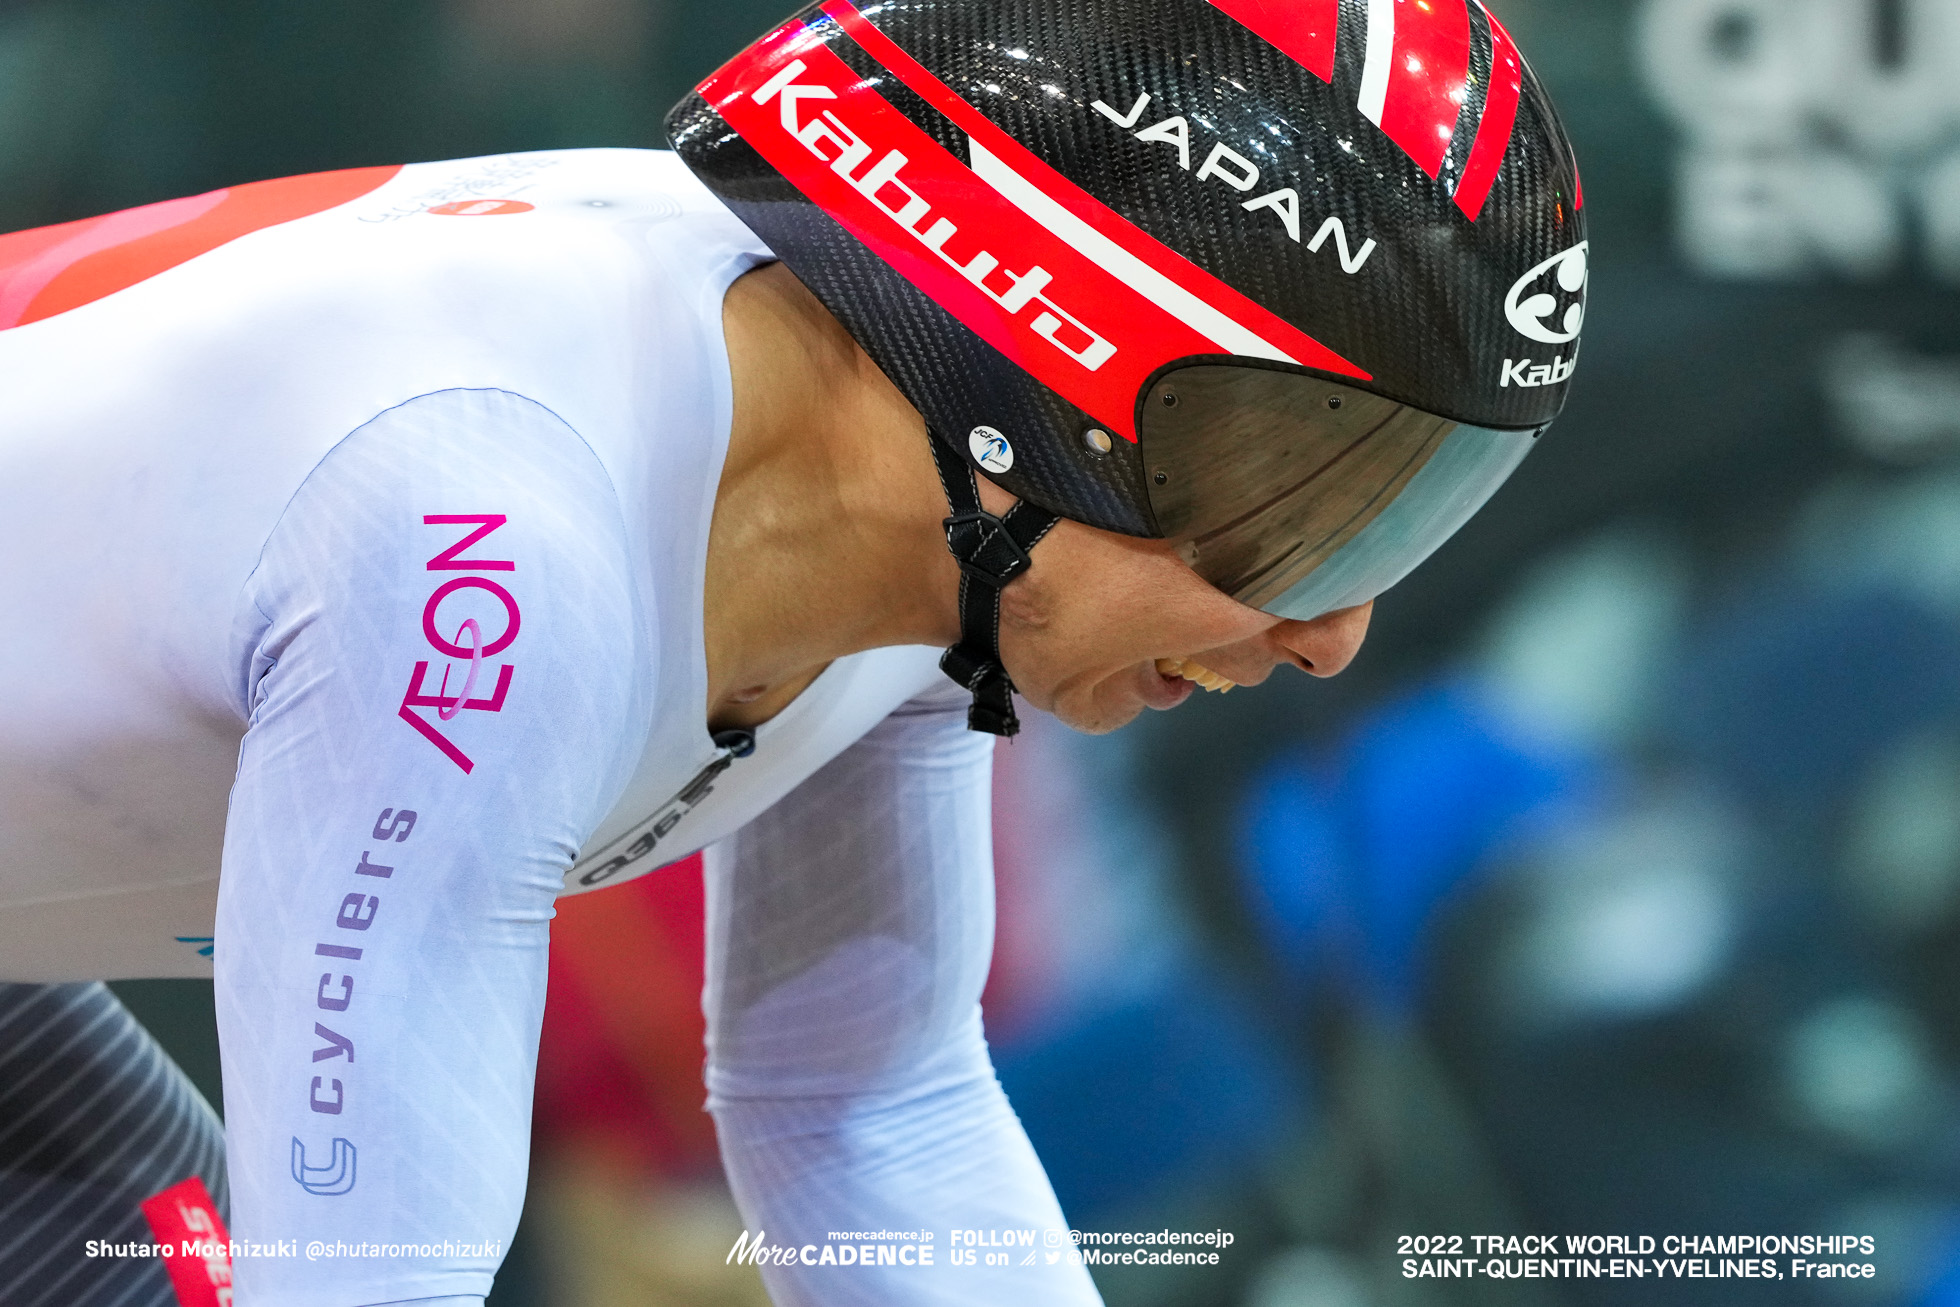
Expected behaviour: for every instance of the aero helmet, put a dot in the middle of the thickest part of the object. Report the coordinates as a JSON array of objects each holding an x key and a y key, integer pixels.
[{"x": 1293, "y": 283}]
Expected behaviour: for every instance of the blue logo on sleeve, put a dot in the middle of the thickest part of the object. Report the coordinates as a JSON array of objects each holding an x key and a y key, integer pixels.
[{"x": 331, "y": 1180}]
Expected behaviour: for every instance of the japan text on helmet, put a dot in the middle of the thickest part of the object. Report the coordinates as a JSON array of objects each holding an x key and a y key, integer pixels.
[{"x": 1294, "y": 284}]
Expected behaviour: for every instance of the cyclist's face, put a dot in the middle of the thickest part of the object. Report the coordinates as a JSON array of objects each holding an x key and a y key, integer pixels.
[{"x": 1081, "y": 632}]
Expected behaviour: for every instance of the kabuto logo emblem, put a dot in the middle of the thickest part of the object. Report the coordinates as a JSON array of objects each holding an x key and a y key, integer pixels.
[{"x": 1548, "y": 304}]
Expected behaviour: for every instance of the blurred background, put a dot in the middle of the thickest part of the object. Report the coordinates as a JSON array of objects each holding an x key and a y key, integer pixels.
[{"x": 1616, "y": 888}]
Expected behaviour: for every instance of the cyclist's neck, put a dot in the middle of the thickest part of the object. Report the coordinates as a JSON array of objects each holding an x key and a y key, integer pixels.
[{"x": 826, "y": 538}]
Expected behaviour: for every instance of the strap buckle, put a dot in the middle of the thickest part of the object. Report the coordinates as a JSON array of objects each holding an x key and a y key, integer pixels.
[
  {"x": 991, "y": 538},
  {"x": 990, "y": 551}
]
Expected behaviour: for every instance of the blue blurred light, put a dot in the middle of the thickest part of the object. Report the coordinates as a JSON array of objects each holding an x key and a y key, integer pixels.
[
  {"x": 1346, "y": 862},
  {"x": 1945, "y": 1288},
  {"x": 1291, "y": 840},
  {"x": 1791, "y": 697},
  {"x": 1180, "y": 1084}
]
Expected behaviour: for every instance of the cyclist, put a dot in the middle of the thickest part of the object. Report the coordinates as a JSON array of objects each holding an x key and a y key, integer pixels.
[{"x": 417, "y": 544}]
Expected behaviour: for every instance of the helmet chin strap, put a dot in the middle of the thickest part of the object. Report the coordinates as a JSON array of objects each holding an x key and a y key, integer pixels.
[{"x": 991, "y": 552}]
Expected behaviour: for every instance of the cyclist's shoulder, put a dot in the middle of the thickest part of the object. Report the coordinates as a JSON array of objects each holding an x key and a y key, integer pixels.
[
  {"x": 447, "y": 459},
  {"x": 418, "y": 249}
]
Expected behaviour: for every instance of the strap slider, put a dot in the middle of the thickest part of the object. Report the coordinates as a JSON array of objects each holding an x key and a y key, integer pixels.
[{"x": 985, "y": 548}]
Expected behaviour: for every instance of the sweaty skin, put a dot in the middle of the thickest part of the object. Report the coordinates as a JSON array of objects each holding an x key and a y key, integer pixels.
[{"x": 826, "y": 451}]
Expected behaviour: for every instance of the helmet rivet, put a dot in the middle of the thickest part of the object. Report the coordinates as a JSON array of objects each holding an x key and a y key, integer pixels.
[
  {"x": 1097, "y": 441},
  {"x": 1333, "y": 401},
  {"x": 1170, "y": 399},
  {"x": 1161, "y": 477}
]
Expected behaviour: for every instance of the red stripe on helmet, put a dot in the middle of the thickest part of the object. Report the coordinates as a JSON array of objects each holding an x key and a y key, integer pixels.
[
  {"x": 1428, "y": 78},
  {"x": 1302, "y": 30},
  {"x": 1166, "y": 261},
  {"x": 1073, "y": 326},
  {"x": 1494, "y": 129}
]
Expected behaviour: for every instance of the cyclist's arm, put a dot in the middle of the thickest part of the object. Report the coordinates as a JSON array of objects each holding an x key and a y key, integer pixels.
[
  {"x": 388, "y": 871},
  {"x": 849, "y": 934}
]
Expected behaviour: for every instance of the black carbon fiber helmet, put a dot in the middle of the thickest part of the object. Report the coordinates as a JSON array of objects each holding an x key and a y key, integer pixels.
[{"x": 1294, "y": 283}]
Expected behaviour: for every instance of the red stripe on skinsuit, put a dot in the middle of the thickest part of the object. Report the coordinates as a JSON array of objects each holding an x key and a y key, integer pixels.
[{"x": 51, "y": 270}]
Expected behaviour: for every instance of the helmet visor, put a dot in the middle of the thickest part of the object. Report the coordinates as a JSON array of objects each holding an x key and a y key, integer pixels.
[{"x": 1300, "y": 495}]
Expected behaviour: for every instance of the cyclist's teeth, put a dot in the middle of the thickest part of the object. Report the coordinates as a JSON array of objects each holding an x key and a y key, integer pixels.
[{"x": 1195, "y": 672}]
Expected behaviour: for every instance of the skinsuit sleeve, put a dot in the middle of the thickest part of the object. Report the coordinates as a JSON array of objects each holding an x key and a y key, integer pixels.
[
  {"x": 850, "y": 930},
  {"x": 438, "y": 652}
]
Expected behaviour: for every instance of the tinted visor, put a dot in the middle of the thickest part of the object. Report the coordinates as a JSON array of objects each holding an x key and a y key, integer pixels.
[{"x": 1301, "y": 495}]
